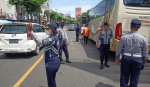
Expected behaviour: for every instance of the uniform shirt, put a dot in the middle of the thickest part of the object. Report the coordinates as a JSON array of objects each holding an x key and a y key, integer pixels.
[
  {"x": 86, "y": 31},
  {"x": 82, "y": 30},
  {"x": 77, "y": 30},
  {"x": 104, "y": 36},
  {"x": 133, "y": 43},
  {"x": 62, "y": 34},
  {"x": 50, "y": 44}
]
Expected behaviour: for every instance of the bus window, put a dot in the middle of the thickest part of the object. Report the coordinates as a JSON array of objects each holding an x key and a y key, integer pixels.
[
  {"x": 137, "y": 3},
  {"x": 98, "y": 11}
]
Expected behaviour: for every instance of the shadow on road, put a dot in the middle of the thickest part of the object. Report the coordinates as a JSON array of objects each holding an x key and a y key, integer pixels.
[
  {"x": 90, "y": 50},
  {"x": 93, "y": 68},
  {"x": 112, "y": 73},
  {"x": 17, "y": 56},
  {"x": 100, "y": 84}
]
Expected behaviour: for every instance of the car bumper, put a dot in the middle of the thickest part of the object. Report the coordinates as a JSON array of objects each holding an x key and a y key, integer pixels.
[{"x": 16, "y": 50}]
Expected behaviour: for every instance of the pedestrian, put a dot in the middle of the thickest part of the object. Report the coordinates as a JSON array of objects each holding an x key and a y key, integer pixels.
[
  {"x": 77, "y": 33},
  {"x": 52, "y": 62},
  {"x": 82, "y": 28},
  {"x": 134, "y": 50},
  {"x": 104, "y": 37},
  {"x": 63, "y": 43},
  {"x": 86, "y": 32}
]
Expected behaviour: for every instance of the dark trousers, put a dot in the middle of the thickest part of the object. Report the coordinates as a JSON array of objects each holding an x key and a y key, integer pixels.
[
  {"x": 77, "y": 37},
  {"x": 130, "y": 71},
  {"x": 63, "y": 47},
  {"x": 104, "y": 52},
  {"x": 51, "y": 70},
  {"x": 85, "y": 39}
]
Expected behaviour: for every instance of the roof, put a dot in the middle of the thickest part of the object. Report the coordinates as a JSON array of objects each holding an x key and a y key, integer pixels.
[{"x": 19, "y": 23}]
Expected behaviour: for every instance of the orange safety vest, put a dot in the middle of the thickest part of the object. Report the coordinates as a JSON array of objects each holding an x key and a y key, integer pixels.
[{"x": 86, "y": 31}]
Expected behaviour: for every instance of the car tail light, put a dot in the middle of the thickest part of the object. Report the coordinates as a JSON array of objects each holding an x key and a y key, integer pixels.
[
  {"x": 29, "y": 49},
  {"x": 28, "y": 36},
  {"x": 118, "y": 31}
]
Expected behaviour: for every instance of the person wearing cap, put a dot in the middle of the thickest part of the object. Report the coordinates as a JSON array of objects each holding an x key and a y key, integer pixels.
[
  {"x": 63, "y": 42},
  {"x": 134, "y": 50},
  {"x": 104, "y": 37},
  {"x": 52, "y": 62}
]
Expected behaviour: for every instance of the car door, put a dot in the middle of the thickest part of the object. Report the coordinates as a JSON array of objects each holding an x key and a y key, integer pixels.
[{"x": 40, "y": 32}]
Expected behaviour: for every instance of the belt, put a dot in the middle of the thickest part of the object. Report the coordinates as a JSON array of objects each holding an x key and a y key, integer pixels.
[{"x": 134, "y": 55}]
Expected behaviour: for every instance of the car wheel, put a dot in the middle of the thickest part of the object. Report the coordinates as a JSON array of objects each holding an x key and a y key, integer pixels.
[
  {"x": 8, "y": 54},
  {"x": 37, "y": 50}
]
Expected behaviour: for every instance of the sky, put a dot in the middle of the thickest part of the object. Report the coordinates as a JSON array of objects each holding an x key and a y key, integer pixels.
[{"x": 68, "y": 6}]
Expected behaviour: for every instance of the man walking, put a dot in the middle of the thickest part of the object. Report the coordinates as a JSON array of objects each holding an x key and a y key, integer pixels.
[
  {"x": 63, "y": 42},
  {"x": 77, "y": 33},
  {"x": 104, "y": 37},
  {"x": 134, "y": 50},
  {"x": 86, "y": 32}
]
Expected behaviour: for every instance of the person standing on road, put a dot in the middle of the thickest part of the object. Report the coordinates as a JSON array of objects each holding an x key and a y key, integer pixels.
[
  {"x": 134, "y": 50},
  {"x": 104, "y": 37},
  {"x": 82, "y": 28},
  {"x": 86, "y": 32},
  {"x": 63, "y": 42},
  {"x": 77, "y": 33},
  {"x": 52, "y": 62}
]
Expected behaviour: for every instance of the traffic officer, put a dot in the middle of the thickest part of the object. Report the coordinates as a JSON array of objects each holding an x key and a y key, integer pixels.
[
  {"x": 104, "y": 37},
  {"x": 134, "y": 50},
  {"x": 52, "y": 62},
  {"x": 63, "y": 42}
]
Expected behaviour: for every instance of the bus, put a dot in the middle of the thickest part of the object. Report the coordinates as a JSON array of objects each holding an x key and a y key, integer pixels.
[{"x": 119, "y": 14}]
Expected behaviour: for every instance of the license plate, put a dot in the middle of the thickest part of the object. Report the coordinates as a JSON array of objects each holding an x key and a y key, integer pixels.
[{"x": 13, "y": 41}]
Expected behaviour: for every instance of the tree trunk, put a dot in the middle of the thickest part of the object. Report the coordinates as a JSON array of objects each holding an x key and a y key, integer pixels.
[{"x": 17, "y": 11}]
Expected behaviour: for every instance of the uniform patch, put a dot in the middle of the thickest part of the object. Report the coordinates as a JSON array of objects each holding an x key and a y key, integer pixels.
[{"x": 50, "y": 39}]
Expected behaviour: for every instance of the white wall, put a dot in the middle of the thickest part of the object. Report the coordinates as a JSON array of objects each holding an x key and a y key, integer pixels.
[{"x": 10, "y": 10}]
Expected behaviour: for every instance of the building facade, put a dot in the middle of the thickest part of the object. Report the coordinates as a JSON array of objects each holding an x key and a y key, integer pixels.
[{"x": 7, "y": 11}]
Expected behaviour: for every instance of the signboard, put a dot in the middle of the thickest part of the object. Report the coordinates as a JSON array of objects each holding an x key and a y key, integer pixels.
[{"x": 77, "y": 12}]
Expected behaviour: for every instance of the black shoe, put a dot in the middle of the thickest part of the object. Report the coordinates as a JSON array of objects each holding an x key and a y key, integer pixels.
[
  {"x": 101, "y": 66},
  {"x": 68, "y": 61},
  {"x": 106, "y": 64}
]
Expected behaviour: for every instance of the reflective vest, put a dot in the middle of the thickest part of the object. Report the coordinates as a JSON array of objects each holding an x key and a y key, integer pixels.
[{"x": 86, "y": 31}]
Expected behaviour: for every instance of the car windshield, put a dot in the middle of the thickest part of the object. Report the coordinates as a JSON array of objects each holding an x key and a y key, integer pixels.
[
  {"x": 137, "y": 3},
  {"x": 14, "y": 29}
]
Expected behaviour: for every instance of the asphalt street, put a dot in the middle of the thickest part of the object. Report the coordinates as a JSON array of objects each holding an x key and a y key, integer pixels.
[{"x": 82, "y": 72}]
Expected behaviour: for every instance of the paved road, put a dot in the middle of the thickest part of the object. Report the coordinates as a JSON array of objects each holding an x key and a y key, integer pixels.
[{"x": 82, "y": 72}]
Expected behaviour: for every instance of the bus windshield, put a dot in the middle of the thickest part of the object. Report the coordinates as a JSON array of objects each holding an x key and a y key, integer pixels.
[{"x": 137, "y": 3}]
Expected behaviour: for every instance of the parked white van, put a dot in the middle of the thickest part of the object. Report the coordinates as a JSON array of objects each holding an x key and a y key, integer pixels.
[{"x": 14, "y": 38}]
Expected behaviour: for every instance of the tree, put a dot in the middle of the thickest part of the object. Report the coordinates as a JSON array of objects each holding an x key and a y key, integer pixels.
[
  {"x": 33, "y": 6},
  {"x": 17, "y": 3},
  {"x": 47, "y": 14}
]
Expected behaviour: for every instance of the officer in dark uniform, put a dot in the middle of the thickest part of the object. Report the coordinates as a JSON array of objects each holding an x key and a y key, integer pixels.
[
  {"x": 63, "y": 43},
  {"x": 52, "y": 61},
  {"x": 104, "y": 37},
  {"x": 134, "y": 50}
]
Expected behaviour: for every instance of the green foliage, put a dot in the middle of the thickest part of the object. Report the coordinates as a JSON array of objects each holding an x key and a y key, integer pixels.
[
  {"x": 56, "y": 16},
  {"x": 15, "y": 2},
  {"x": 33, "y": 5},
  {"x": 46, "y": 13}
]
